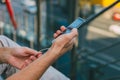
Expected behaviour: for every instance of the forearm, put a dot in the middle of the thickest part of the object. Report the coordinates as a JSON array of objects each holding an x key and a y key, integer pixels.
[{"x": 36, "y": 69}]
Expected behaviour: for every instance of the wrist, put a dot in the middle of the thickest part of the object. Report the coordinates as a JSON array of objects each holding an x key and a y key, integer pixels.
[{"x": 55, "y": 49}]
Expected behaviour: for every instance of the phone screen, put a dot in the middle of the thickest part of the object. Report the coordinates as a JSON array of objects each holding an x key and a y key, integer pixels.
[{"x": 76, "y": 23}]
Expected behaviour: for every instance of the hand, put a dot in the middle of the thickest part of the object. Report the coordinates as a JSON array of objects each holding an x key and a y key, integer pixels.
[
  {"x": 64, "y": 42},
  {"x": 59, "y": 32},
  {"x": 20, "y": 57}
]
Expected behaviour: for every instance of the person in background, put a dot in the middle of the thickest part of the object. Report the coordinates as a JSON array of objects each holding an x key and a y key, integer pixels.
[{"x": 32, "y": 63}]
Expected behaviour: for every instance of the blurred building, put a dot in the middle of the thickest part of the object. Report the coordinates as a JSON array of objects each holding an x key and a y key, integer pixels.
[{"x": 97, "y": 55}]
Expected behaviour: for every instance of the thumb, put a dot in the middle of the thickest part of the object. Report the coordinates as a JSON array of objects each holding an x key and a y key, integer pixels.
[
  {"x": 30, "y": 51},
  {"x": 73, "y": 33}
]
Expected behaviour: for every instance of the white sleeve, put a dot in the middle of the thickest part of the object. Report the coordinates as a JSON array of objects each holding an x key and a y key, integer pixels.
[
  {"x": 6, "y": 42},
  {"x": 53, "y": 74},
  {"x": 50, "y": 74}
]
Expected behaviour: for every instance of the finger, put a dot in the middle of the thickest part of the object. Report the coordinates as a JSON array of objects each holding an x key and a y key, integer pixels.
[
  {"x": 55, "y": 35},
  {"x": 30, "y": 51},
  {"x": 63, "y": 28},
  {"x": 23, "y": 66},
  {"x": 28, "y": 61},
  {"x": 33, "y": 58},
  {"x": 70, "y": 43},
  {"x": 39, "y": 55},
  {"x": 58, "y": 32},
  {"x": 73, "y": 33}
]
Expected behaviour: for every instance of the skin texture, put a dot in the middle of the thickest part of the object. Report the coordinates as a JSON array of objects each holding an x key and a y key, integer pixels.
[
  {"x": 35, "y": 67},
  {"x": 18, "y": 57}
]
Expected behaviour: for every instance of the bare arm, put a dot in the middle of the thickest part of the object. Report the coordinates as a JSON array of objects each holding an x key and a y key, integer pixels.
[
  {"x": 18, "y": 57},
  {"x": 36, "y": 69}
]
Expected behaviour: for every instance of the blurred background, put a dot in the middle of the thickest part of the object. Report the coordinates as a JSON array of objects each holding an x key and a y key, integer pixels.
[{"x": 96, "y": 55}]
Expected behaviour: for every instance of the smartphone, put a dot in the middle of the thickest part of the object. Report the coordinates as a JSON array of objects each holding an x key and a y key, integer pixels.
[{"x": 75, "y": 24}]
